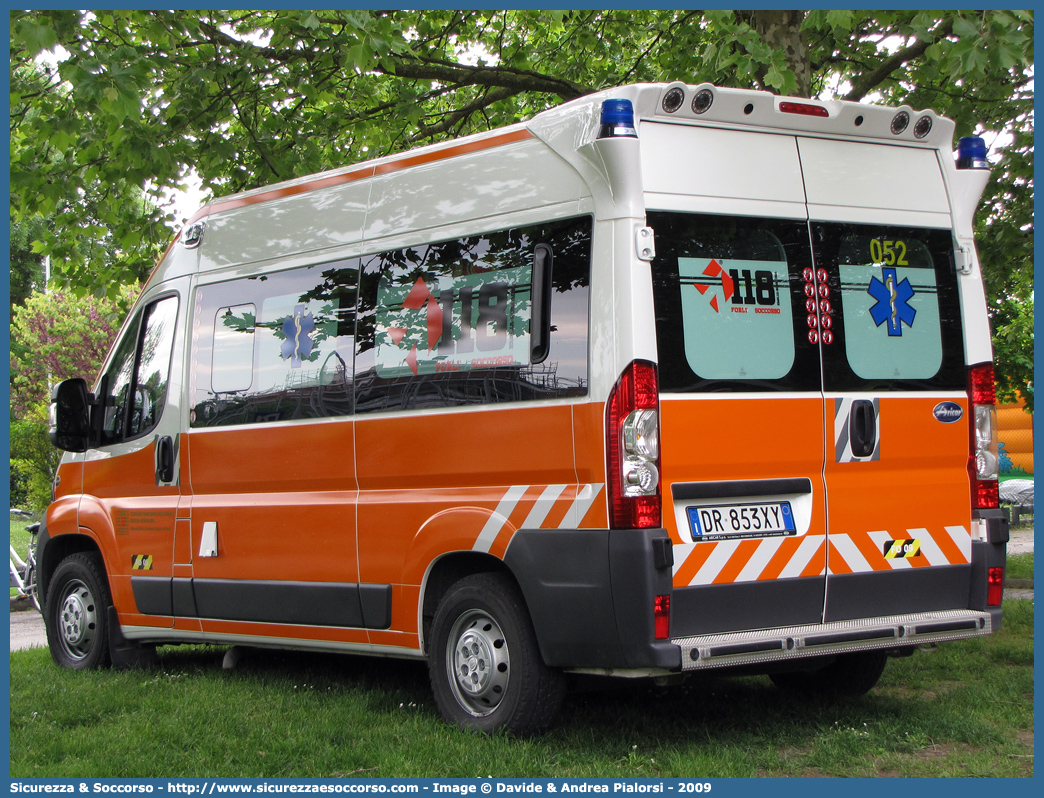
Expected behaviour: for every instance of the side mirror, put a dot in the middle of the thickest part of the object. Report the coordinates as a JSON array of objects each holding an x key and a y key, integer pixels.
[{"x": 70, "y": 416}]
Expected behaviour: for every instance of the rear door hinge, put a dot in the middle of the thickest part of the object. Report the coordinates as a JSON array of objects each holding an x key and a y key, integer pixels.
[{"x": 645, "y": 243}]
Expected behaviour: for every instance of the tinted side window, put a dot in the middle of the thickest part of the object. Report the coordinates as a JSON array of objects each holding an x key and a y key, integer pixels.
[
  {"x": 730, "y": 304},
  {"x": 450, "y": 323},
  {"x": 274, "y": 347},
  {"x": 136, "y": 380}
]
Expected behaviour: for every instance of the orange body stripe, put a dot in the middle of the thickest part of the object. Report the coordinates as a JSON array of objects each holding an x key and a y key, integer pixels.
[
  {"x": 779, "y": 560},
  {"x": 744, "y": 551},
  {"x": 692, "y": 565},
  {"x": 515, "y": 520},
  {"x": 870, "y": 551},
  {"x": 561, "y": 507},
  {"x": 953, "y": 554},
  {"x": 836, "y": 562},
  {"x": 815, "y": 564}
]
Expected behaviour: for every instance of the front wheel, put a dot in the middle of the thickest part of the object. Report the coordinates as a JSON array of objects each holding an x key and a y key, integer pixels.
[
  {"x": 76, "y": 613},
  {"x": 485, "y": 666}
]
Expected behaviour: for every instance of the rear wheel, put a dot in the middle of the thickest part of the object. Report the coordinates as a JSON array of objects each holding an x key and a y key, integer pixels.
[
  {"x": 848, "y": 675},
  {"x": 485, "y": 666},
  {"x": 76, "y": 613}
]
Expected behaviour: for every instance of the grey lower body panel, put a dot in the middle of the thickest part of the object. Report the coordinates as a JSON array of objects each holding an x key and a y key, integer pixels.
[
  {"x": 708, "y": 609},
  {"x": 590, "y": 594},
  {"x": 365, "y": 606}
]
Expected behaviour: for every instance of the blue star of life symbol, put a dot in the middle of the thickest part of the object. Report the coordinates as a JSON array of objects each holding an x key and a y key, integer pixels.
[
  {"x": 298, "y": 343},
  {"x": 893, "y": 301}
]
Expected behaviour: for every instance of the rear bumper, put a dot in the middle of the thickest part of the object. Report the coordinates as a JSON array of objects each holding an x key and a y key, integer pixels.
[
  {"x": 590, "y": 594},
  {"x": 814, "y": 640}
]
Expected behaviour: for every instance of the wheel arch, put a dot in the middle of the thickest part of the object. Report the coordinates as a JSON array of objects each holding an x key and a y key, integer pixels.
[
  {"x": 52, "y": 550},
  {"x": 445, "y": 572}
]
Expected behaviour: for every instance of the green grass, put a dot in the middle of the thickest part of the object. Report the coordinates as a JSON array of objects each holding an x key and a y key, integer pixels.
[
  {"x": 1020, "y": 566},
  {"x": 19, "y": 537},
  {"x": 964, "y": 709}
]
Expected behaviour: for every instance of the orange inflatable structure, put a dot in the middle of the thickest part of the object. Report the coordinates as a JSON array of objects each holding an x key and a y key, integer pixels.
[{"x": 1016, "y": 438}]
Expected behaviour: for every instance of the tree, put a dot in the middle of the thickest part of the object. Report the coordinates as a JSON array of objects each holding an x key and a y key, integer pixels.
[
  {"x": 27, "y": 269},
  {"x": 100, "y": 235},
  {"x": 246, "y": 98},
  {"x": 54, "y": 335},
  {"x": 57, "y": 335}
]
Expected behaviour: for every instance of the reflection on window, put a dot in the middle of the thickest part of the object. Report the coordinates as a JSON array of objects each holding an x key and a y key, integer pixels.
[
  {"x": 727, "y": 299},
  {"x": 233, "y": 364},
  {"x": 275, "y": 347},
  {"x": 119, "y": 375},
  {"x": 136, "y": 381},
  {"x": 449, "y": 323},
  {"x": 736, "y": 318}
]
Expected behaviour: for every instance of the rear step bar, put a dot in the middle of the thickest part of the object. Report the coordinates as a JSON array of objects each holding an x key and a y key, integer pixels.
[{"x": 797, "y": 642}]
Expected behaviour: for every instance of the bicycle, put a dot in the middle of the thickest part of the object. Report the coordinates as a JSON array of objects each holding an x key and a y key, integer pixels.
[{"x": 23, "y": 572}]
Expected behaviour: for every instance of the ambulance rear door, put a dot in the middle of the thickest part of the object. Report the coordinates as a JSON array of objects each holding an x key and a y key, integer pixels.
[
  {"x": 741, "y": 402},
  {"x": 889, "y": 322}
]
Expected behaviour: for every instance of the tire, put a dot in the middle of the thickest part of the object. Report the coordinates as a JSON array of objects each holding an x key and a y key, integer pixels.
[
  {"x": 850, "y": 675},
  {"x": 76, "y": 613},
  {"x": 485, "y": 666}
]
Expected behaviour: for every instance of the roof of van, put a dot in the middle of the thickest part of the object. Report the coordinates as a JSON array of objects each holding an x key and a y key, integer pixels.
[{"x": 664, "y": 102}]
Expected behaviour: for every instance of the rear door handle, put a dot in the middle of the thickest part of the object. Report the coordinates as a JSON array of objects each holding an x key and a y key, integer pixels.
[{"x": 862, "y": 428}]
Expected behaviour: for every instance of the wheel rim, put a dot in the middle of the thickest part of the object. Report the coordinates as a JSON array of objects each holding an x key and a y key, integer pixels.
[
  {"x": 478, "y": 662},
  {"x": 77, "y": 620}
]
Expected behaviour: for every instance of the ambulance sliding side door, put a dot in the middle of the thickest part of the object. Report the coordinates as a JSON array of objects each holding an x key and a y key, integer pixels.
[{"x": 271, "y": 451}]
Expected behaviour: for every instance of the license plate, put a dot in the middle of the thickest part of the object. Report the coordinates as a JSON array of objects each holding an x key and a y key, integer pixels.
[{"x": 713, "y": 522}]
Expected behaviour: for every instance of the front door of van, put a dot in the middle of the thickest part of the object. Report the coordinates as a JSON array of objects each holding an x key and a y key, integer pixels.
[{"x": 131, "y": 482}]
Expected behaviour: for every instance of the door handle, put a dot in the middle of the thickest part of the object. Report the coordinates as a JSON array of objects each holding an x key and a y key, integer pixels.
[
  {"x": 164, "y": 460},
  {"x": 862, "y": 428}
]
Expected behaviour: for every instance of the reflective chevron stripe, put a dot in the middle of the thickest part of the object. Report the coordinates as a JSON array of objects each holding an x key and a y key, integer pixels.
[
  {"x": 729, "y": 561},
  {"x": 552, "y": 506}
]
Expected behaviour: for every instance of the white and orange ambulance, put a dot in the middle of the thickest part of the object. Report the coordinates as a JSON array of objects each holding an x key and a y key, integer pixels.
[{"x": 669, "y": 378}]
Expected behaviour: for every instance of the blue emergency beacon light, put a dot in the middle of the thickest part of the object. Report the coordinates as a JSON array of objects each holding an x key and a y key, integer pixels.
[
  {"x": 617, "y": 120},
  {"x": 971, "y": 153}
]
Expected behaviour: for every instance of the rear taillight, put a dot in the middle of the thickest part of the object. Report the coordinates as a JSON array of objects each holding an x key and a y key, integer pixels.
[
  {"x": 633, "y": 448},
  {"x": 984, "y": 460},
  {"x": 662, "y": 617},
  {"x": 804, "y": 109},
  {"x": 994, "y": 587}
]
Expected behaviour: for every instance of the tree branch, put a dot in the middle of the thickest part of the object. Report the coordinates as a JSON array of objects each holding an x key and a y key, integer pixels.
[
  {"x": 449, "y": 120},
  {"x": 871, "y": 80},
  {"x": 516, "y": 80}
]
